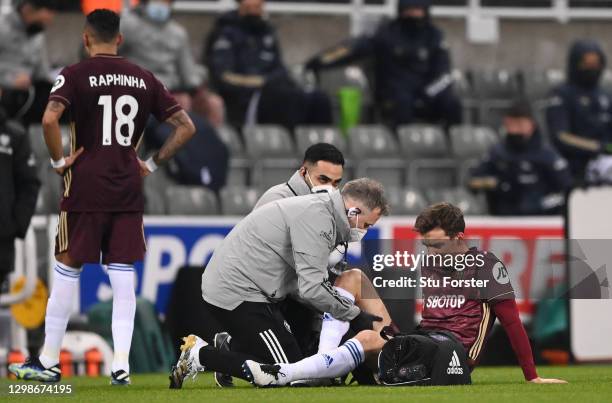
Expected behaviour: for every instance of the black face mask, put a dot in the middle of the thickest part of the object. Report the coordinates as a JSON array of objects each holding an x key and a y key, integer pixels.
[
  {"x": 253, "y": 23},
  {"x": 516, "y": 141},
  {"x": 34, "y": 28},
  {"x": 588, "y": 78},
  {"x": 413, "y": 23}
]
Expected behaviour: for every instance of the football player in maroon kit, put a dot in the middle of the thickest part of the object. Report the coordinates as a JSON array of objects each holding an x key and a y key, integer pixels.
[
  {"x": 109, "y": 100},
  {"x": 461, "y": 305}
]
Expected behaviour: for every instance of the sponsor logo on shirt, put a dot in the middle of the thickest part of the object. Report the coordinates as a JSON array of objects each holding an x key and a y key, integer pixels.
[
  {"x": 500, "y": 273},
  {"x": 445, "y": 301}
]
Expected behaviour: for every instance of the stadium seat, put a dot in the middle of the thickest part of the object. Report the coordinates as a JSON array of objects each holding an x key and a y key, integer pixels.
[
  {"x": 268, "y": 141},
  {"x": 236, "y": 200},
  {"x": 239, "y": 163},
  {"x": 231, "y": 139},
  {"x": 273, "y": 154},
  {"x": 433, "y": 173},
  {"x": 422, "y": 141},
  {"x": 464, "y": 170},
  {"x": 405, "y": 201},
  {"x": 238, "y": 173},
  {"x": 267, "y": 174},
  {"x": 469, "y": 141},
  {"x": 332, "y": 80},
  {"x": 376, "y": 153},
  {"x": 460, "y": 197},
  {"x": 155, "y": 203},
  {"x": 37, "y": 141},
  {"x": 463, "y": 88},
  {"x": 495, "y": 84},
  {"x": 495, "y": 91},
  {"x": 191, "y": 200},
  {"x": 308, "y": 135},
  {"x": 50, "y": 193},
  {"x": 536, "y": 84},
  {"x": 155, "y": 186}
]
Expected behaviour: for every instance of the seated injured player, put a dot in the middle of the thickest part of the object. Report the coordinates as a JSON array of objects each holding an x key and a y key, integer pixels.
[{"x": 464, "y": 327}]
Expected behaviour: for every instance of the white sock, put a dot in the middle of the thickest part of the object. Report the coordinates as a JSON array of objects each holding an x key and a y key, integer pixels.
[
  {"x": 332, "y": 329},
  {"x": 337, "y": 362},
  {"x": 59, "y": 306},
  {"x": 124, "y": 309}
]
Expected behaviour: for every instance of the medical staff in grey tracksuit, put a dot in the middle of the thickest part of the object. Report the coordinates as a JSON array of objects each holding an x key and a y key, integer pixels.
[{"x": 280, "y": 249}]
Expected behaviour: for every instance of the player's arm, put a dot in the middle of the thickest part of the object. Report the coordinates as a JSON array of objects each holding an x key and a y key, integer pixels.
[
  {"x": 311, "y": 234},
  {"x": 53, "y": 137},
  {"x": 508, "y": 314},
  {"x": 346, "y": 52},
  {"x": 440, "y": 69},
  {"x": 559, "y": 126},
  {"x": 182, "y": 133},
  {"x": 484, "y": 176}
]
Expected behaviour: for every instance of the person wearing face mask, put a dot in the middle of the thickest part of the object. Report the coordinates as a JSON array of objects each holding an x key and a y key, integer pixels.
[
  {"x": 156, "y": 41},
  {"x": 279, "y": 249},
  {"x": 244, "y": 58},
  {"x": 20, "y": 185},
  {"x": 520, "y": 174},
  {"x": 321, "y": 171},
  {"x": 412, "y": 67},
  {"x": 579, "y": 113},
  {"x": 449, "y": 341},
  {"x": 25, "y": 74}
]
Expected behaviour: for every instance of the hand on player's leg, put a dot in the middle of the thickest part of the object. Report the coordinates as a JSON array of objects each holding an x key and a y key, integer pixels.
[
  {"x": 69, "y": 161},
  {"x": 547, "y": 380}
]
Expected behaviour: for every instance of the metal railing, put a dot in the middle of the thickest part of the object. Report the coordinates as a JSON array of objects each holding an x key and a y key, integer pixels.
[{"x": 560, "y": 10}]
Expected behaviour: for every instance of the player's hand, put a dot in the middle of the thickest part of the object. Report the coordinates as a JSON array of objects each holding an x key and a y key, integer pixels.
[
  {"x": 69, "y": 161},
  {"x": 144, "y": 171},
  {"x": 364, "y": 321},
  {"x": 547, "y": 380}
]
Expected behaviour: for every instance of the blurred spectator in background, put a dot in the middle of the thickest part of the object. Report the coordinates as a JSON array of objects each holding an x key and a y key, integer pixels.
[
  {"x": 521, "y": 175},
  {"x": 579, "y": 114},
  {"x": 25, "y": 74},
  {"x": 152, "y": 39},
  {"x": 412, "y": 67},
  {"x": 19, "y": 183},
  {"x": 244, "y": 59},
  {"x": 205, "y": 162}
]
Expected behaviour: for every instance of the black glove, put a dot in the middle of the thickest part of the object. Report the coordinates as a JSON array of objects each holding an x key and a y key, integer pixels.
[
  {"x": 312, "y": 64},
  {"x": 364, "y": 321}
]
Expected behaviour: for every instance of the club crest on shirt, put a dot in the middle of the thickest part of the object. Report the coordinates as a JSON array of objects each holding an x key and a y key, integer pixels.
[
  {"x": 327, "y": 235},
  {"x": 59, "y": 83}
]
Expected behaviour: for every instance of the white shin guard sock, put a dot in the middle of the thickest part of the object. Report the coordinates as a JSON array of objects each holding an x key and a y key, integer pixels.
[
  {"x": 122, "y": 279},
  {"x": 63, "y": 292},
  {"x": 332, "y": 329},
  {"x": 331, "y": 364}
]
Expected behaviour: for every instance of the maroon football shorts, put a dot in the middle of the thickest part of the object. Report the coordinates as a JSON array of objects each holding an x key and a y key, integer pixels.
[{"x": 107, "y": 237}]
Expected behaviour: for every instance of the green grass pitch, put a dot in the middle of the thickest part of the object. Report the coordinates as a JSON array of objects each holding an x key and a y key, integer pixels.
[{"x": 494, "y": 384}]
